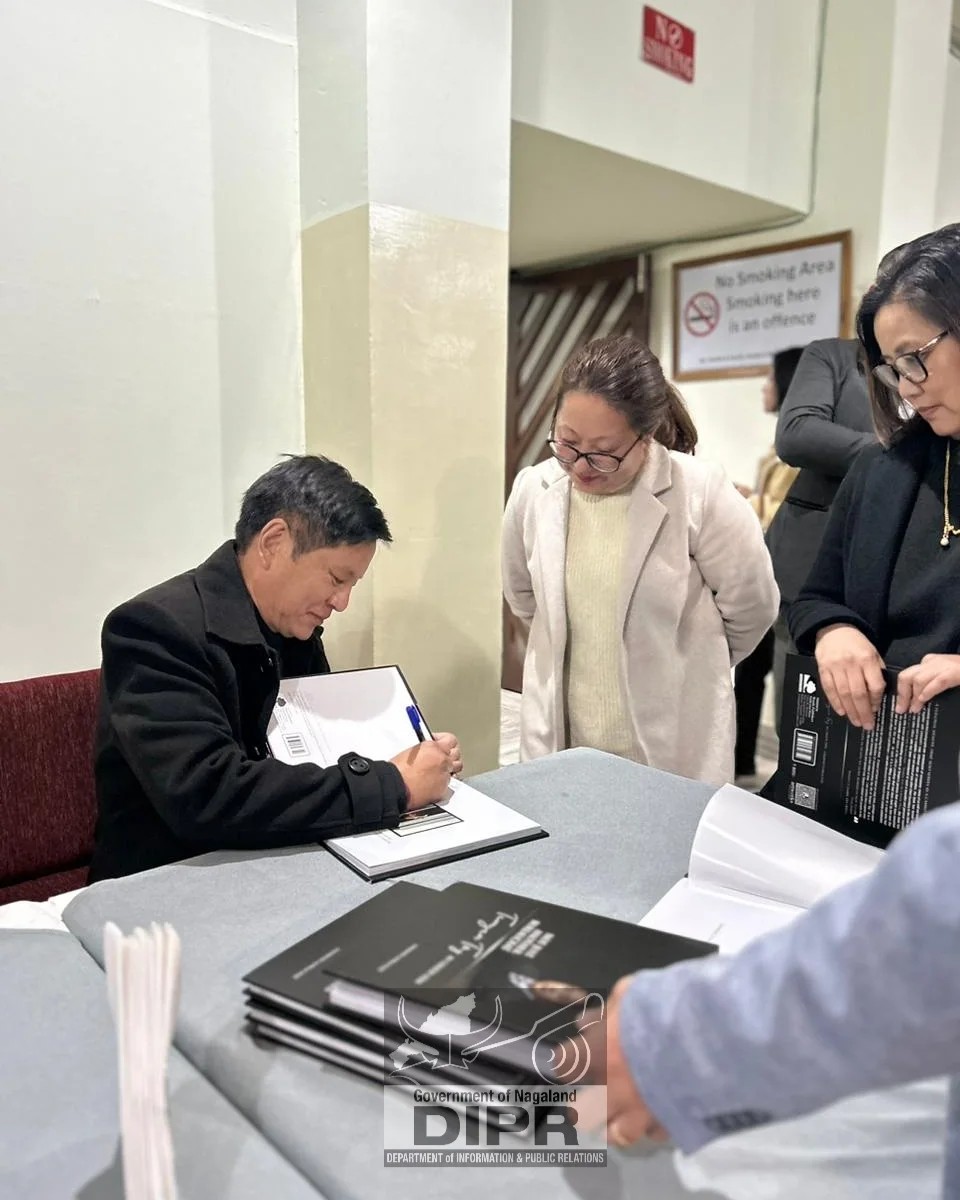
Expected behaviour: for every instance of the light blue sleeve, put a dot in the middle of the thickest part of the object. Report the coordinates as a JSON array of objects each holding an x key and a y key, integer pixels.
[{"x": 861, "y": 992}]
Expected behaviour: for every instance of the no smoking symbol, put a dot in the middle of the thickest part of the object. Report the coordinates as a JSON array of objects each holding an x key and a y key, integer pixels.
[{"x": 701, "y": 314}]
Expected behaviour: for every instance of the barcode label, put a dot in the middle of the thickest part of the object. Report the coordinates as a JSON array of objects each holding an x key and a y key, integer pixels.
[
  {"x": 295, "y": 745},
  {"x": 805, "y": 747},
  {"x": 804, "y": 796}
]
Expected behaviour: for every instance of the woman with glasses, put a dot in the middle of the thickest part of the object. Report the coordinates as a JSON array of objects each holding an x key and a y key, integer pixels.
[
  {"x": 639, "y": 571},
  {"x": 885, "y": 588}
]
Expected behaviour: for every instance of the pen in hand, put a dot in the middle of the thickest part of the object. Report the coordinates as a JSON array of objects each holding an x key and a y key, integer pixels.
[{"x": 416, "y": 722}]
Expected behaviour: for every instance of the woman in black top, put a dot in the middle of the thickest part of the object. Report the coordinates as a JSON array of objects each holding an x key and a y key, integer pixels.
[{"x": 885, "y": 588}]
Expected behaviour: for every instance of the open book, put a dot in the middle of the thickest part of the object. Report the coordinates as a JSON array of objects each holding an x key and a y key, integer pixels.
[
  {"x": 319, "y": 718},
  {"x": 754, "y": 866}
]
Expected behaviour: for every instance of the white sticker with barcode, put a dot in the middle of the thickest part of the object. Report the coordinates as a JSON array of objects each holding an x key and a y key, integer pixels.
[
  {"x": 805, "y": 747},
  {"x": 296, "y": 746}
]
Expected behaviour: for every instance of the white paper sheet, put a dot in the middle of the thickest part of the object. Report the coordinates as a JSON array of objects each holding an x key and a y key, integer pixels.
[{"x": 319, "y": 718}]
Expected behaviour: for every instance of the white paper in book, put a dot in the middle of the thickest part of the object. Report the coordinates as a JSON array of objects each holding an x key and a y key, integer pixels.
[
  {"x": 319, "y": 718},
  {"x": 754, "y": 866},
  {"x": 465, "y": 820}
]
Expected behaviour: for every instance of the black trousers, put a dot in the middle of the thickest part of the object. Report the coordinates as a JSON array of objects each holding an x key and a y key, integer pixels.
[{"x": 749, "y": 679}]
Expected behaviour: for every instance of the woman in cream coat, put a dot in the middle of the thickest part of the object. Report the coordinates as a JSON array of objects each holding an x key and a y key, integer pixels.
[{"x": 639, "y": 571}]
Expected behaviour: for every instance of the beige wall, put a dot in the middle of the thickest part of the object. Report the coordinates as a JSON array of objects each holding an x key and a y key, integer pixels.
[
  {"x": 405, "y": 356},
  {"x": 849, "y": 188},
  {"x": 404, "y": 208},
  {"x": 150, "y": 351}
]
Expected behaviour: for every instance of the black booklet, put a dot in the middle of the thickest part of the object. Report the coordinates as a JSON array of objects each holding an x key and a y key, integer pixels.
[
  {"x": 866, "y": 784},
  {"x": 497, "y": 977},
  {"x": 470, "y": 979},
  {"x": 287, "y": 1001}
]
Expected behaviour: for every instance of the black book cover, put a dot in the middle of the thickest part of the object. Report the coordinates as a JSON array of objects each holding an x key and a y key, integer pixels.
[
  {"x": 867, "y": 785},
  {"x": 497, "y": 974},
  {"x": 298, "y": 976},
  {"x": 341, "y": 1037}
]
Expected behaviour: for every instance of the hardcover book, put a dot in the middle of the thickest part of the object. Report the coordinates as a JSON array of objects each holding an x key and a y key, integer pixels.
[
  {"x": 498, "y": 976},
  {"x": 319, "y": 718},
  {"x": 471, "y": 981}
]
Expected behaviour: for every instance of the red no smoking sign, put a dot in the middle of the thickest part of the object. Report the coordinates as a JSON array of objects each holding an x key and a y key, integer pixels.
[
  {"x": 701, "y": 314},
  {"x": 667, "y": 44}
]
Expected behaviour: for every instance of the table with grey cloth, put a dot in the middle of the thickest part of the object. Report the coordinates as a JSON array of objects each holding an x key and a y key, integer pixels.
[
  {"x": 620, "y": 836},
  {"x": 59, "y": 1124}
]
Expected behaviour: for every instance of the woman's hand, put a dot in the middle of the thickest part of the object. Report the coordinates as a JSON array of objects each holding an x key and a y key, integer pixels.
[
  {"x": 933, "y": 674},
  {"x": 851, "y": 672}
]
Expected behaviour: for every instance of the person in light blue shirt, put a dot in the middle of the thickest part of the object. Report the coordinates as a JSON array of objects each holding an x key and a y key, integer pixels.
[{"x": 861, "y": 992}]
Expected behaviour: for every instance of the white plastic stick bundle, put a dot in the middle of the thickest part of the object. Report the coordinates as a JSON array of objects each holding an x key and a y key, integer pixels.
[{"x": 143, "y": 983}]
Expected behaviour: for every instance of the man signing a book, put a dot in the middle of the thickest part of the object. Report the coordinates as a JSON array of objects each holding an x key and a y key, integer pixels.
[{"x": 190, "y": 675}]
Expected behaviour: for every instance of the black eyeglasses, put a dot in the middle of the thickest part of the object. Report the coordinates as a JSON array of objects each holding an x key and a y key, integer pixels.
[
  {"x": 602, "y": 463},
  {"x": 907, "y": 366}
]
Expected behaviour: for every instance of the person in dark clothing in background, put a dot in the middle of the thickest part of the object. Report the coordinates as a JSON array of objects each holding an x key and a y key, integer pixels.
[
  {"x": 885, "y": 588},
  {"x": 823, "y": 425},
  {"x": 774, "y": 479},
  {"x": 191, "y": 670}
]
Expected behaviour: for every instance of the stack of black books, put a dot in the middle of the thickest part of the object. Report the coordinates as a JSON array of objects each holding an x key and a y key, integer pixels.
[{"x": 470, "y": 985}]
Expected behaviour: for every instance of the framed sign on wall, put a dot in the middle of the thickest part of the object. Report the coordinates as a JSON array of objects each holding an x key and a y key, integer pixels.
[{"x": 733, "y": 312}]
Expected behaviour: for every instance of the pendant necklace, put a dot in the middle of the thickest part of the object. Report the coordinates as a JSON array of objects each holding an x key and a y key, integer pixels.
[{"x": 949, "y": 530}]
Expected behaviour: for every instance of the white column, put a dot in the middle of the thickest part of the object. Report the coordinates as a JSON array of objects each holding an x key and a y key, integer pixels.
[
  {"x": 918, "y": 90},
  {"x": 405, "y": 147}
]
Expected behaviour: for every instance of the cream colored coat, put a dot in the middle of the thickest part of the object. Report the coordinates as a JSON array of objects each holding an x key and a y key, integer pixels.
[{"x": 697, "y": 596}]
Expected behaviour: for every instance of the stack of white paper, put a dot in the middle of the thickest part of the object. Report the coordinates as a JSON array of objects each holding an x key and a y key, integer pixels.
[{"x": 143, "y": 983}]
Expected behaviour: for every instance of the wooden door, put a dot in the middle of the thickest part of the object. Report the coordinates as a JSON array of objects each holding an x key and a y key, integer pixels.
[{"x": 550, "y": 317}]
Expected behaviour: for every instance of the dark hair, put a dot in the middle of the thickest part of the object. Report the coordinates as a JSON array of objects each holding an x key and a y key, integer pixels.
[
  {"x": 321, "y": 502},
  {"x": 924, "y": 274},
  {"x": 627, "y": 374},
  {"x": 784, "y": 368}
]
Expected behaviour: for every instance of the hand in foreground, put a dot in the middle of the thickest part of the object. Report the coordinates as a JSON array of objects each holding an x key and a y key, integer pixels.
[
  {"x": 933, "y": 674},
  {"x": 452, "y": 747},
  {"x": 426, "y": 770},
  {"x": 627, "y": 1117},
  {"x": 851, "y": 672}
]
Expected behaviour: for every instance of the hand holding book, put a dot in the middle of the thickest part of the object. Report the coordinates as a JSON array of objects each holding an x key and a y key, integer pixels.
[
  {"x": 935, "y": 673},
  {"x": 851, "y": 672}
]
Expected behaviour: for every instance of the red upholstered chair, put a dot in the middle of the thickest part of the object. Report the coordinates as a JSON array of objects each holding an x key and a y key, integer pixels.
[{"x": 47, "y": 800}]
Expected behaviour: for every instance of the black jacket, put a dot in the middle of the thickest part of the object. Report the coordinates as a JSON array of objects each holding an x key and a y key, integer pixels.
[
  {"x": 823, "y": 425},
  {"x": 850, "y": 580},
  {"x": 181, "y": 761}
]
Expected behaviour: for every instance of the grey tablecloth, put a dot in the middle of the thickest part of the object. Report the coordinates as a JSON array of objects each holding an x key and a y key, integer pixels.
[
  {"x": 620, "y": 835},
  {"x": 59, "y": 1125}
]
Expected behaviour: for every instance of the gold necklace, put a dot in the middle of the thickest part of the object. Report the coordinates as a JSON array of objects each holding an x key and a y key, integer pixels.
[{"x": 948, "y": 529}]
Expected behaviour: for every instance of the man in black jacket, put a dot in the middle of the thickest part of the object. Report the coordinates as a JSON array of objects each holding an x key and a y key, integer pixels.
[{"x": 190, "y": 675}]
